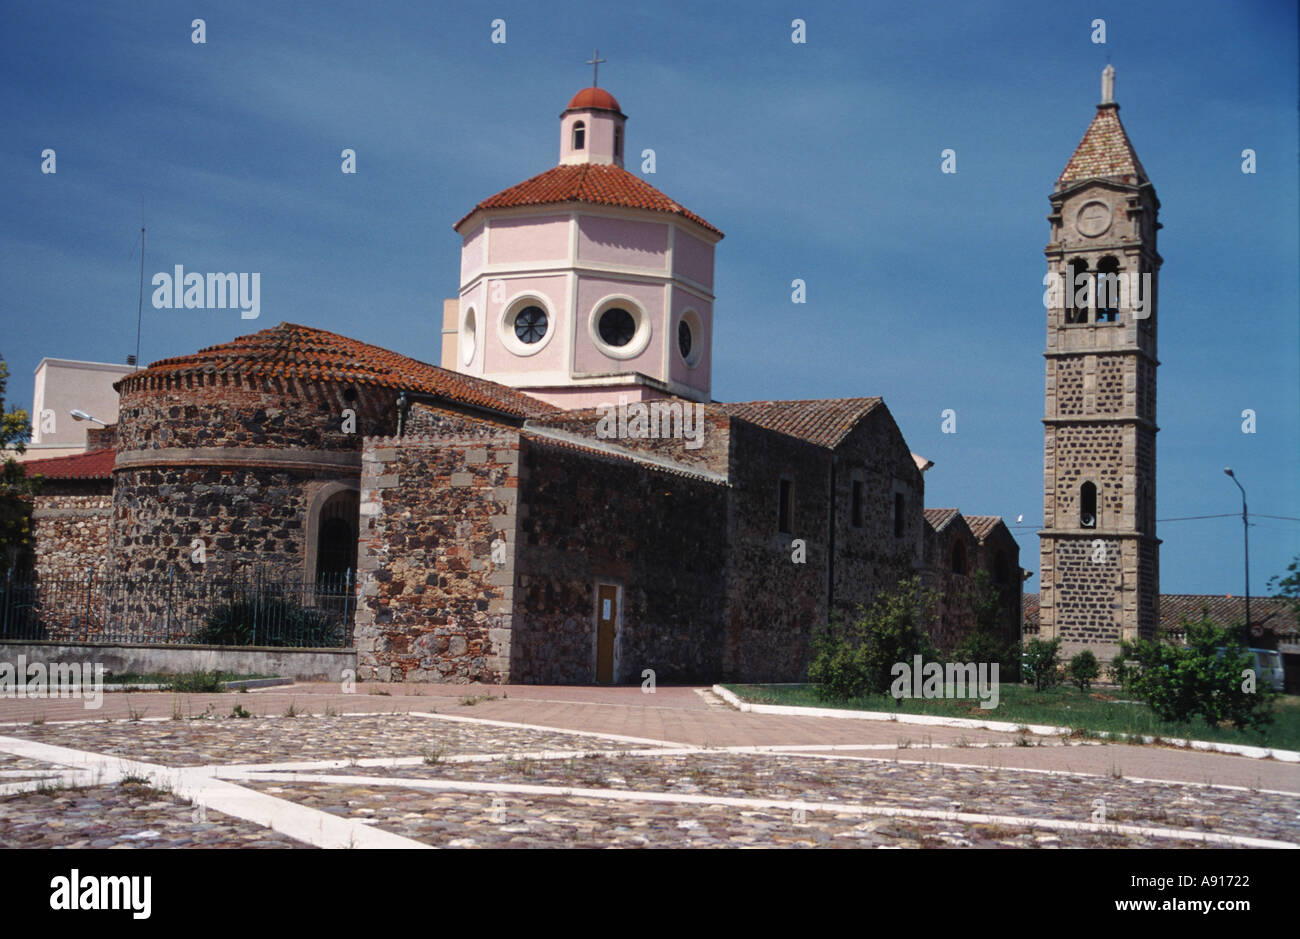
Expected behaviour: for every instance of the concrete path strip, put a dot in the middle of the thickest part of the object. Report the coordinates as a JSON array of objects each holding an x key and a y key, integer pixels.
[
  {"x": 1046, "y": 730},
  {"x": 842, "y": 808},
  {"x": 200, "y": 786}
]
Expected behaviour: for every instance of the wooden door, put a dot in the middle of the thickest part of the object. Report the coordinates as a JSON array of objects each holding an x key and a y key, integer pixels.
[{"x": 606, "y": 619}]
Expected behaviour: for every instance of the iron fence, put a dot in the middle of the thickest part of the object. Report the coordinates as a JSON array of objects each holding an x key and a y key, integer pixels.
[{"x": 250, "y": 609}]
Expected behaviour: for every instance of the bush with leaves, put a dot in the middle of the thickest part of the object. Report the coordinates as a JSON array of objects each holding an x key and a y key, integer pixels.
[
  {"x": 985, "y": 643},
  {"x": 16, "y": 487},
  {"x": 261, "y": 620},
  {"x": 1043, "y": 662},
  {"x": 1118, "y": 669},
  {"x": 854, "y": 659},
  {"x": 1083, "y": 669},
  {"x": 1198, "y": 679}
]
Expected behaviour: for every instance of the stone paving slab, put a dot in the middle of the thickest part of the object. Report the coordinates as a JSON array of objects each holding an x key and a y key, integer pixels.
[
  {"x": 307, "y": 737},
  {"x": 123, "y": 816},
  {"x": 472, "y": 820},
  {"x": 878, "y": 783}
]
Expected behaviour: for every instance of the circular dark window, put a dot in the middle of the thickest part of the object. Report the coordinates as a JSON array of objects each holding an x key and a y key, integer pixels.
[
  {"x": 684, "y": 339},
  {"x": 617, "y": 327},
  {"x": 530, "y": 324}
]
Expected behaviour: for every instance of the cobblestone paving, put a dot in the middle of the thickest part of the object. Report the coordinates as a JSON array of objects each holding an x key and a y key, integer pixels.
[
  {"x": 933, "y": 787},
  {"x": 134, "y": 815},
  {"x": 17, "y": 768},
  {"x": 123, "y": 816},
  {"x": 471, "y": 820},
  {"x": 282, "y": 739}
]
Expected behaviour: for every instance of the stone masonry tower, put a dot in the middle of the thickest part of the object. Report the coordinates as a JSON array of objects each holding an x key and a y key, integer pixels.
[{"x": 1100, "y": 571}]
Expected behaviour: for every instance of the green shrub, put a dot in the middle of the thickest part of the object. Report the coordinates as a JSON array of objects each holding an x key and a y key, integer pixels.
[
  {"x": 1083, "y": 669},
  {"x": 197, "y": 683},
  {"x": 1119, "y": 669},
  {"x": 1180, "y": 683},
  {"x": 851, "y": 660},
  {"x": 268, "y": 621},
  {"x": 1042, "y": 662},
  {"x": 985, "y": 643}
]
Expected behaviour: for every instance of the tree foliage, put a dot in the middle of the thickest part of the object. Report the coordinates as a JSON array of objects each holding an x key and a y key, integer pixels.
[
  {"x": 854, "y": 659},
  {"x": 16, "y": 488}
]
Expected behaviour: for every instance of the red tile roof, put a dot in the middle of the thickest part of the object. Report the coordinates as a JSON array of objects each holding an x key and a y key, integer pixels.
[
  {"x": 823, "y": 422},
  {"x": 594, "y": 98},
  {"x": 590, "y": 183},
  {"x": 1271, "y": 614},
  {"x": 982, "y": 526},
  {"x": 937, "y": 518},
  {"x": 93, "y": 464},
  {"x": 1105, "y": 151},
  {"x": 292, "y": 351}
]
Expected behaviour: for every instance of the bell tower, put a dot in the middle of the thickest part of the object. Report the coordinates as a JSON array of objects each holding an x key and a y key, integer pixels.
[{"x": 1100, "y": 568}]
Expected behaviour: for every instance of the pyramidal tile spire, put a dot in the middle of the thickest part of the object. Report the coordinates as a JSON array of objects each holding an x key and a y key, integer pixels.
[{"x": 1105, "y": 150}]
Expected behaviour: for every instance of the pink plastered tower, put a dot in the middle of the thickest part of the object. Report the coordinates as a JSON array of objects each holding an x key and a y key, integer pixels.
[{"x": 585, "y": 284}]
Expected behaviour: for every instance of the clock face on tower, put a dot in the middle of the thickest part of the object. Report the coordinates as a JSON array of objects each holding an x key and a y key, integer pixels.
[{"x": 1093, "y": 219}]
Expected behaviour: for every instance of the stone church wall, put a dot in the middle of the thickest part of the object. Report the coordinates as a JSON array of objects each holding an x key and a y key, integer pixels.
[
  {"x": 70, "y": 523},
  {"x": 774, "y": 605},
  {"x": 658, "y": 535},
  {"x": 869, "y": 559},
  {"x": 435, "y": 598}
]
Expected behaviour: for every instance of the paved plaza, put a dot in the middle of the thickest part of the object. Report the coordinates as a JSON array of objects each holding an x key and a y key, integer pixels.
[{"x": 420, "y": 766}]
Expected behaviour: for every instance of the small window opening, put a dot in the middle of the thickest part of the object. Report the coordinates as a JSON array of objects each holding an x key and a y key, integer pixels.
[
  {"x": 857, "y": 503},
  {"x": 579, "y": 136},
  {"x": 1077, "y": 293},
  {"x": 784, "y": 508},
  {"x": 1107, "y": 290},
  {"x": 1088, "y": 506},
  {"x": 899, "y": 504},
  {"x": 618, "y": 141}
]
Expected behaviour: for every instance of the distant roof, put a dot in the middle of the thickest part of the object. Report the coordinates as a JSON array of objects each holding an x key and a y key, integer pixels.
[
  {"x": 937, "y": 518},
  {"x": 93, "y": 464},
  {"x": 292, "y": 351},
  {"x": 1269, "y": 613},
  {"x": 592, "y": 183},
  {"x": 982, "y": 525},
  {"x": 1104, "y": 152},
  {"x": 824, "y": 422}
]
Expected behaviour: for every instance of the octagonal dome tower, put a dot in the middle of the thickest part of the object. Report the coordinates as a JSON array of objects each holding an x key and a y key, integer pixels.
[{"x": 585, "y": 283}]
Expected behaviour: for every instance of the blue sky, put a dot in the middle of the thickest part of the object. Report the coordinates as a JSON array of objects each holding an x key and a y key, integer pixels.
[{"x": 820, "y": 161}]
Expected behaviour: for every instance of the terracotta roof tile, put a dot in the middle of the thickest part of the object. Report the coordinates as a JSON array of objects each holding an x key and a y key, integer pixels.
[
  {"x": 293, "y": 351},
  {"x": 591, "y": 183},
  {"x": 823, "y": 422},
  {"x": 93, "y": 464},
  {"x": 982, "y": 526},
  {"x": 937, "y": 518},
  {"x": 1104, "y": 152}
]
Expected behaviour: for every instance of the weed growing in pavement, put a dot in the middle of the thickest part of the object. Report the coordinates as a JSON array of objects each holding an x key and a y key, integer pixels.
[{"x": 239, "y": 711}]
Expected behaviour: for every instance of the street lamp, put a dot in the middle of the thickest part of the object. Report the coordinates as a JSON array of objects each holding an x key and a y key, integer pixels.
[
  {"x": 1245, "y": 532},
  {"x": 78, "y": 415}
]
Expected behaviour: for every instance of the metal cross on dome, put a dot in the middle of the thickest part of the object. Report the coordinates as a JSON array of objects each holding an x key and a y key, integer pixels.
[{"x": 595, "y": 62}]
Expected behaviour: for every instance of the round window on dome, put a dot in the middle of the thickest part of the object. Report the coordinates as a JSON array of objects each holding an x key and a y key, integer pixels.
[
  {"x": 530, "y": 325},
  {"x": 617, "y": 327}
]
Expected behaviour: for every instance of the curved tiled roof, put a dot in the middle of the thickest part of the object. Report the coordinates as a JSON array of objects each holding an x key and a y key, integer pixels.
[
  {"x": 823, "y": 422},
  {"x": 591, "y": 183},
  {"x": 93, "y": 464},
  {"x": 594, "y": 97},
  {"x": 292, "y": 351},
  {"x": 982, "y": 525},
  {"x": 1104, "y": 152}
]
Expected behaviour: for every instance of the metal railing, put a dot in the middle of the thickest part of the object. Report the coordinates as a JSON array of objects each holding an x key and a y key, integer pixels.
[{"x": 249, "y": 609}]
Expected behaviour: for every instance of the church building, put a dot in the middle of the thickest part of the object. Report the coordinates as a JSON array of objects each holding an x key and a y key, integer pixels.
[{"x": 562, "y": 500}]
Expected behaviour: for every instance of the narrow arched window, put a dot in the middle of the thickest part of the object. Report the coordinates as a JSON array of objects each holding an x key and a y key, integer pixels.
[
  {"x": 959, "y": 557},
  {"x": 1107, "y": 290},
  {"x": 579, "y": 135},
  {"x": 1077, "y": 293},
  {"x": 1088, "y": 505},
  {"x": 618, "y": 141}
]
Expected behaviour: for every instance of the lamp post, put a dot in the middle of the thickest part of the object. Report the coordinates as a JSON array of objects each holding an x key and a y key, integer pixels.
[
  {"x": 79, "y": 415},
  {"x": 1245, "y": 532}
]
